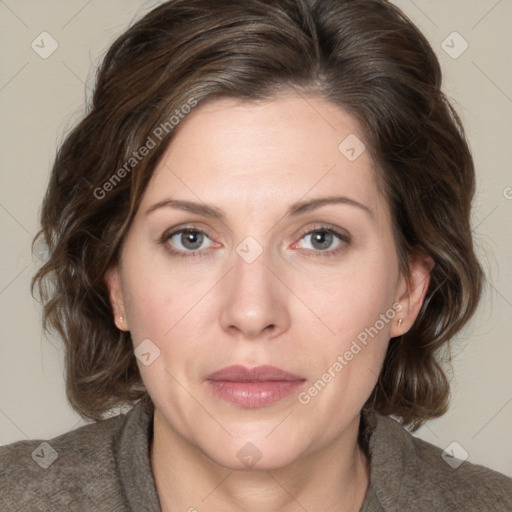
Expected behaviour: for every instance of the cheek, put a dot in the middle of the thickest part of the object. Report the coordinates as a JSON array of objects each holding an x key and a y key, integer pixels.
[
  {"x": 346, "y": 362},
  {"x": 349, "y": 300},
  {"x": 169, "y": 309},
  {"x": 161, "y": 309},
  {"x": 147, "y": 309},
  {"x": 157, "y": 296},
  {"x": 356, "y": 310}
]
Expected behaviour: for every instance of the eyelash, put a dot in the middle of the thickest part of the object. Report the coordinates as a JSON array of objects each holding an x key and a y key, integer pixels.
[{"x": 344, "y": 239}]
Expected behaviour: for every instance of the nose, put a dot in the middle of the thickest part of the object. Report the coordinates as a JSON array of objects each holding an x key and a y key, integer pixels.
[{"x": 254, "y": 300}]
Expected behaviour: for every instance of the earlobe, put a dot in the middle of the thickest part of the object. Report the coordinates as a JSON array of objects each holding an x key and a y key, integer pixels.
[
  {"x": 411, "y": 300},
  {"x": 113, "y": 281}
]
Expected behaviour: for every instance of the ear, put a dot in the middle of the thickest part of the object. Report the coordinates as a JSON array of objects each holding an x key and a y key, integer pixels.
[
  {"x": 113, "y": 282},
  {"x": 412, "y": 292}
]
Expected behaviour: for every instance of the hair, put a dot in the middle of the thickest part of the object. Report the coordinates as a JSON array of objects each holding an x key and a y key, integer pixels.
[{"x": 366, "y": 57}]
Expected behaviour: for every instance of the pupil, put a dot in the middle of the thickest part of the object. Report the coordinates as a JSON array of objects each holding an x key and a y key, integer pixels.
[
  {"x": 324, "y": 238},
  {"x": 193, "y": 237}
]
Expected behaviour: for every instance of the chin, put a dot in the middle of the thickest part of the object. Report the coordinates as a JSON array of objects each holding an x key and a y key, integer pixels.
[{"x": 255, "y": 453}]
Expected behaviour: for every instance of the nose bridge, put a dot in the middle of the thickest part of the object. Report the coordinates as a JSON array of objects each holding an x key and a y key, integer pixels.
[{"x": 253, "y": 301}]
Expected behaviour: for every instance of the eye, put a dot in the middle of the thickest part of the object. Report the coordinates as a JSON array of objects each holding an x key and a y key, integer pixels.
[
  {"x": 186, "y": 242},
  {"x": 322, "y": 239}
]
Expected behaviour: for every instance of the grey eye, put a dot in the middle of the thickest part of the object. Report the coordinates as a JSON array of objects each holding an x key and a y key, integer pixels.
[
  {"x": 190, "y": 239},
  {"x": 322, "y": 239}
]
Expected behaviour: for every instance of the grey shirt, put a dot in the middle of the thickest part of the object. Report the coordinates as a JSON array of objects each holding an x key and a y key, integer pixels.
[{"x": 105, "y": 467}]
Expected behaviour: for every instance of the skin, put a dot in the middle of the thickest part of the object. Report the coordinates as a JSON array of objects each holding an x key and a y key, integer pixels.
[{"x": 294, "y": 307}]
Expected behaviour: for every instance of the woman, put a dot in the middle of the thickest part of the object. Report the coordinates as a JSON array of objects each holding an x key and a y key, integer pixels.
[{"x": 259, "y": 235}]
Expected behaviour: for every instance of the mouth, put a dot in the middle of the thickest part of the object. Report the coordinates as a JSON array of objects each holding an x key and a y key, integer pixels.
[{"x": 253, "y": 387}]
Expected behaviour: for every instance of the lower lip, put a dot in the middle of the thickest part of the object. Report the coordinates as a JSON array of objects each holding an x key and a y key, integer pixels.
[{"x": 254, "y": 394}]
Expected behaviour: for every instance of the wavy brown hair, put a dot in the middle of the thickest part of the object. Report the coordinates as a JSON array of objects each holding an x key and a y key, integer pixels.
[{"x": 366, "y": 57}]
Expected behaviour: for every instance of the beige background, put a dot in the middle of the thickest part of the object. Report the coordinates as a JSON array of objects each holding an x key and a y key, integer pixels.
[{"x": 41, "y": 99}]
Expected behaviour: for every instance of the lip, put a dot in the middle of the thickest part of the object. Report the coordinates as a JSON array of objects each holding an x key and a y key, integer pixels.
[{"x": 253, "y": 387}]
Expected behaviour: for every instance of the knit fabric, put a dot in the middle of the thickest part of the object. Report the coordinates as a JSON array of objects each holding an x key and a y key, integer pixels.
[{"x": 105, "y": 467}]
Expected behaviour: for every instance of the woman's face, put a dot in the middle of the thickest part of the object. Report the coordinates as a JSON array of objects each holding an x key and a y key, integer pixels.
[{"x": 267, "y": 275}]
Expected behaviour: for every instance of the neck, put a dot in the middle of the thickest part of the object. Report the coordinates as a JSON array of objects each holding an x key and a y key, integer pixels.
[{"x": 334, "y": 478}]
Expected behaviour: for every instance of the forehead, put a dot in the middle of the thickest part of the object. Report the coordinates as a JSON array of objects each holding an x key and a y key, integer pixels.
[{"x": 259, "y": 153}]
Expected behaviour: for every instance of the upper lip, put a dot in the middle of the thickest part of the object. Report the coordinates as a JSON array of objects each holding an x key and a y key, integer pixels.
[{"x": 265, "y": 373}]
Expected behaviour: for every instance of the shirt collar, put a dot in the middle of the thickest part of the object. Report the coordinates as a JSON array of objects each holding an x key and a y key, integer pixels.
[
  {"x": 393, "y": 464},
  {"x": 132, "y": 452}
]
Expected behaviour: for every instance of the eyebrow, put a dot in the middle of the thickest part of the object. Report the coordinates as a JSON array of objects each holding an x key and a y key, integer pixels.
[{"x": 294, "y": 210}]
